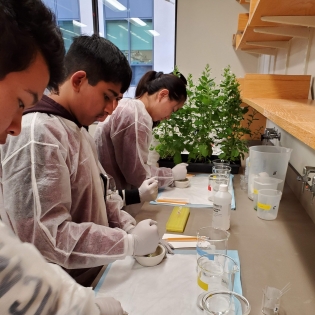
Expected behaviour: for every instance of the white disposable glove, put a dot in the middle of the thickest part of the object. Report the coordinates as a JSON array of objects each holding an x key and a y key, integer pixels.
[
  {"x": 148, "y": 190},
  {"x": 180, "y": 171},
  {"x": 168, "y": 247},
  {"x": 109, "y": 306},
  {"x": 146, "y": 237}
]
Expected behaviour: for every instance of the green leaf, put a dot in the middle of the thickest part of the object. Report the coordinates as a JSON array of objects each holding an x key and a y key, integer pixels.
[
  {"x": 203, "y": 150},
  {"x": 177, "y": 158}
]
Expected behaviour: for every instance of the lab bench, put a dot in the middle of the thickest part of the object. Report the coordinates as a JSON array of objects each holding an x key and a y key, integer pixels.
[{"x": 271, "y": 253}]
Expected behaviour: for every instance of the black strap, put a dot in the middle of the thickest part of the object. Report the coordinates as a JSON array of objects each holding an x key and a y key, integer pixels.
[
  {"x": 104, "y": 178},
  {"x": 132, "y": 196}
]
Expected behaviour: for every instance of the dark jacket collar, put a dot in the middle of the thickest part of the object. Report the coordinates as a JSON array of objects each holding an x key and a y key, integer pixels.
[{"x": 49, "y": 106}]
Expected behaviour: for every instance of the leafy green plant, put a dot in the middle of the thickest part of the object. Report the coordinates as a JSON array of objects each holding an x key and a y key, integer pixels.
[
  {"x": 212, "y": 115},
  {"x": 230, "y": 132},
  {"x": 190, "y": 127}
]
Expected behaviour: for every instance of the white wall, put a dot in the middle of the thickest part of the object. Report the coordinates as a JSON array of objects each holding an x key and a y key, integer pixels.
[
  {"x": 164, "y": 24},
  {"x": 302, "y": 155},
  {"x": 204, "y": 35}
]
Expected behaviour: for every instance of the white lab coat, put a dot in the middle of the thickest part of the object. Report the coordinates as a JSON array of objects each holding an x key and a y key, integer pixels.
[
  {"x": 123, "y": 144},
  {"x": 29, "y": 285},
  {"x": 53, "y": 195}
]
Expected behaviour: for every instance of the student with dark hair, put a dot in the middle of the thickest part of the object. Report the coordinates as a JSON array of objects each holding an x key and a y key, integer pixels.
[
  {"x": 28, "y": 284},
  {"x": 22, "y": 38},
  {"x": 60, "y": 203},
  {"x": 123, "y": 140}
]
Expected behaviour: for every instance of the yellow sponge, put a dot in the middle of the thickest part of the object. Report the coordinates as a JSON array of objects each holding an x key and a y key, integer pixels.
[{"x": 178, "y": 219}]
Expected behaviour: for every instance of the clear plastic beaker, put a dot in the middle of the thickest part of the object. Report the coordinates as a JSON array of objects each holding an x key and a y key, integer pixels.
[
  {"x": 268, "y": 203},
  {"x": 211, "y": 240},
  {"x": 271, "y": 301},
  {"x": 225, "y": 303},
  {"x": 216, "y": 272},
  {"x": 221, "y": 169},
  {"x": 220, "y": 162},
  {"x": 264, "y": 183},
  {"x": 269, "y": 159},
  {"x": 214, "y": 182}
]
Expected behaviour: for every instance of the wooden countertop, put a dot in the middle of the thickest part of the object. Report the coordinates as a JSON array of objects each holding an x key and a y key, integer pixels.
[
  {"x": 296, "y": 116},
  {"x": 271, "y": 252}
]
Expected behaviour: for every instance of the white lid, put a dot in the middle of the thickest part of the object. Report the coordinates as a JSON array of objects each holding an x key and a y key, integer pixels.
[{"x": 223, "y": 187}]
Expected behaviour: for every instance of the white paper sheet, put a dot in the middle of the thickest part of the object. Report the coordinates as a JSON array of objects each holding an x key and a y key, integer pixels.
[
  {"x": 168, "y": 288},
  {"x": 196, "y": 193}
]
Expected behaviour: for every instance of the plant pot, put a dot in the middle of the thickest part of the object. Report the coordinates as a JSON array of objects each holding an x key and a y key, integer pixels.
[{"x": 199, "y": 167}]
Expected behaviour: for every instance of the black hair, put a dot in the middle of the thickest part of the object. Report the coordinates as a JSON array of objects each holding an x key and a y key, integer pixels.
[
  {"x": 26, "y": 28},
  {"x": 100, "y": 59},
  {"x": 154, "y": 81}
]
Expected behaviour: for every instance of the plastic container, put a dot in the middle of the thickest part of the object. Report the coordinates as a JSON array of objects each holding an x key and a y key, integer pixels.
[
  {"x": 272, "y": 160},
  {"x": 211, "y": 240},
  {"x": 268, "y": 203},
  {"x": 216, "y": 272},
  {"x": 264, "y": 183},
  {"x": 221, "y": 169},
  {"x": 247, "y": 167},
  {"x": 214, "y": 182},
  {"x": 220, "y": 162},
  {"x": 222, "y": 208},
  {"x": 224, "y": 303},
  {"x": 271, "y": 301}
]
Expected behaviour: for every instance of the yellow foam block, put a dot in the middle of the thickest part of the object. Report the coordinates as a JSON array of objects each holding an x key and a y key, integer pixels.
[{"x": 178, "y": 219}]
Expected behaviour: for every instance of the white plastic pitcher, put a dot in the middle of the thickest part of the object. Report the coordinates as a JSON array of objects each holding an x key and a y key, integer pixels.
[{"x": 272, "y": 160}]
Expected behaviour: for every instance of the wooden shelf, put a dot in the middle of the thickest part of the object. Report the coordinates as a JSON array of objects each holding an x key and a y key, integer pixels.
[
  {"x": 296, "y": 116},
  {"x": 261, "y": 9},
  {"x": 283, "y": 100}
]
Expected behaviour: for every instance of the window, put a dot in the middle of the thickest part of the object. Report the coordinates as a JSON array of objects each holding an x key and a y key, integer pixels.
[
  {"x": 144, "y": 30},
  {"x": 73, "y": 16}
]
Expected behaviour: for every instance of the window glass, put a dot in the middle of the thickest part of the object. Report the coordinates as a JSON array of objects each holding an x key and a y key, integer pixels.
[
  {"x": 141, "y": 9},
  {"x": 141, "y": 43},
  {"x": 73, "y": 16},
  {"x": 118, "y": 33},
  {"x": 146, "y": 34},
  {"x": 114, "y": 9}
]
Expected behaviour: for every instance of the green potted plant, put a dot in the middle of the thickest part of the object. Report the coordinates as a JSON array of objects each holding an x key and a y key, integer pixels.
[
  {"x": 230, "y": 132},
  {"x": 210, "y": 117}
]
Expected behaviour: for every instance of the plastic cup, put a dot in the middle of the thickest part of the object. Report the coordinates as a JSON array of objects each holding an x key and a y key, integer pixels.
[
  {"x": 216, "y": 272},
  {"x": 221, "y": 169},
  {"x": 225, "y": 303},
  {"x": 214, "y": 182},
  {"x": 211, "y": 240},
  {"x": 268, "y": 203},
  {"x": 220, "y": 162},
  {"x": 271, "y": 301},
  {"x": 243, "y": 182},
  {"x": 264, "y": 183}
]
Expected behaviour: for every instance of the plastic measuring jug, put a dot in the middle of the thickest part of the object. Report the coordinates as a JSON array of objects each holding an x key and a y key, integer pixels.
[
  {"x": 264, "y": 183},
  {"x": 224, "y": 302},
  {"x": 272, "y": 160},
  {"x": 216, "y": 272},
  {"x": 211, "y": 240},
  {"x": 268, "y": 203}
]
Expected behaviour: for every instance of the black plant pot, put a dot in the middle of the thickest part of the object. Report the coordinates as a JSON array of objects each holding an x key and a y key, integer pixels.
[{"x": 199, "y": 167}]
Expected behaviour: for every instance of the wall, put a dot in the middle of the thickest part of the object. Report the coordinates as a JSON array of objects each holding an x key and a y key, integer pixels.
[
  {"x": 302, "y": 155},
  {"x": 204, "y": 35}
]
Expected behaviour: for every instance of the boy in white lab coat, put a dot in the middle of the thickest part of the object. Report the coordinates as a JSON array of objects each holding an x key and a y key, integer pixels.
[
  {"x": 28, "y": 284},
  {"x": 53, "y": 193}
]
